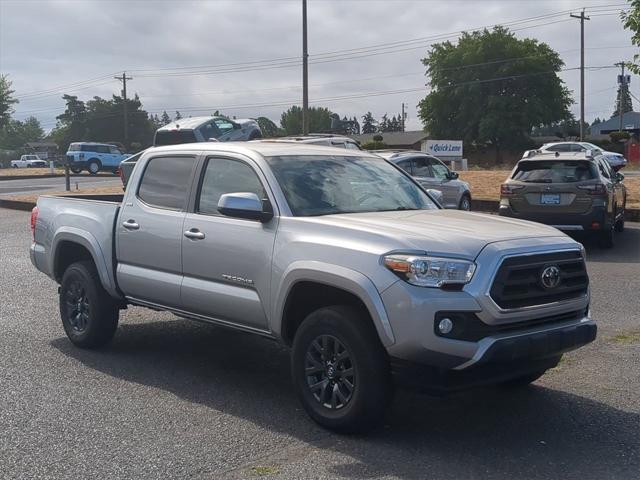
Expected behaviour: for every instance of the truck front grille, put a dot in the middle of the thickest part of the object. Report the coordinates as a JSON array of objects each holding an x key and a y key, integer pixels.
[{"x": 519, "y": 283}]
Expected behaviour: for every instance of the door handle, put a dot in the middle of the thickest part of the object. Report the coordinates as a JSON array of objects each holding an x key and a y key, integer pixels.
[
  {"x": 194, "y": 234},
  {"x": 130, "y": 225}
]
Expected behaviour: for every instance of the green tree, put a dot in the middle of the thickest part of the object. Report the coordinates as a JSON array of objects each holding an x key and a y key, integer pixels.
[
  {"x": 596, "y": 121},
  {"x": 491, "y": 87},
  {"x": 15, "y": 134},
  {"x": 383, "y": 125},
  {"x": 268, "y": 127},
  {"x": 368, "y": 123},
  {"x": 178, "y": 115},
  {"x": 319, "y": 120},
  {"x": 165, "y": 119},
  {"x": 631, "y": 21},
  {"x": 622, "y": 97},
  {"x": 6, "y": 100}
]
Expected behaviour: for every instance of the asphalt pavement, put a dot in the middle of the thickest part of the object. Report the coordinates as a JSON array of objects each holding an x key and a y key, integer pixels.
[
  {"x": 32, "y": 185},
  {"x": 174, "y": 399}
]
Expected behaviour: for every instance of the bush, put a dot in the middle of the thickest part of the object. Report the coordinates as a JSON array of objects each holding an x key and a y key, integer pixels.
[
  {"x": 374, "y": 145},
  {"x": 619, "y": 137},
  {"x": 377, "y": 138}
]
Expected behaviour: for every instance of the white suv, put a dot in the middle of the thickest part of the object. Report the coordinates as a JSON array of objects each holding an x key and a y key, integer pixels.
[{"x": 616, "y": 160}]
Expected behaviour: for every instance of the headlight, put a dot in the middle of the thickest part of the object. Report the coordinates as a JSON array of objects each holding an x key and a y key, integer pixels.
[{"x": 430, "y": 271}]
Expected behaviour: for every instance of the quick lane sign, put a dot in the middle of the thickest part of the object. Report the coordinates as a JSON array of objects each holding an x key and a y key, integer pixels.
[{"x": 445, "y": 148}]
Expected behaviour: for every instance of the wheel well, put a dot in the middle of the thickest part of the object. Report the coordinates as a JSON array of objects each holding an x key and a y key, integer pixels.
[
  {"x": 67, "y": 253},
  {"x": 97, "y": 160},
  {"x": 306, "y": 297}
]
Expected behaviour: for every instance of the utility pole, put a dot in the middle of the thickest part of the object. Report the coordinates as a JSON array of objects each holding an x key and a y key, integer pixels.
[
  {"x": 124, "y": 79},
  {"x": 403, "y": 117},
  {"x": 582, "y": 17},
  {"x": 305, "y": 72},
  {"x": 622, "y": 81}
]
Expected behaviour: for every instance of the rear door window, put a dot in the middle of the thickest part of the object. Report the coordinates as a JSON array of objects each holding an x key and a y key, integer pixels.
[
  {"x": 165, "y": 182},
  {"x": 554, "y": 172},
  {"x": 421, "y": 168},
  {"x": 405, "y": 165}
]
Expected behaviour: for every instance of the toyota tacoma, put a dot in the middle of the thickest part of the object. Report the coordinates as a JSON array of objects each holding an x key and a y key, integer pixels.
[{"x": 338, "y": 254}]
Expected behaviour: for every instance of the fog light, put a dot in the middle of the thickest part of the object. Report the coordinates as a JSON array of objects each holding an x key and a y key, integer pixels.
[{"x": 445, "y": 326}]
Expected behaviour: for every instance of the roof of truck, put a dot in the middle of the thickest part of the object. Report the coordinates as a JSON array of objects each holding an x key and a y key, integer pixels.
[{"x": 265, "y": 148}]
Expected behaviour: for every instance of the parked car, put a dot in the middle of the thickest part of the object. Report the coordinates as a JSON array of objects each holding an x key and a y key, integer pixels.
[
  {"x": 616, "y": 160},
  {"x": 28, "y": 161},
  {"x": 430, "y": 172},
  {"x": 325, "y": 139},
  {"x": 205, "y": 129},
  {"x": 94, "y": 157},
  {"x": 570, "y": 191},
  {"x": 335, "y": 253}
]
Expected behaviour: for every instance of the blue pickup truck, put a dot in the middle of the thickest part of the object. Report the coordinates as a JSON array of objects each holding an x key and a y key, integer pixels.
[{"x": 94, "y": 157}]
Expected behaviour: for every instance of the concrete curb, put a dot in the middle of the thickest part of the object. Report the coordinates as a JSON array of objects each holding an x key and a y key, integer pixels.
[
  {"x": 6, "y": 178},
  {"x": 490, "y": 206}
]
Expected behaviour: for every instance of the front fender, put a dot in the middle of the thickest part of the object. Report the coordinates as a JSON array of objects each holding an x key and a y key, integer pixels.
[
  {"x": 88, "y": 241},
  {"x": 335, "y": 276}
]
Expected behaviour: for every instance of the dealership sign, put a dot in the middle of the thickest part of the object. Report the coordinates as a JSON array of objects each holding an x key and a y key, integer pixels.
[{"x": 445, "y": 148}]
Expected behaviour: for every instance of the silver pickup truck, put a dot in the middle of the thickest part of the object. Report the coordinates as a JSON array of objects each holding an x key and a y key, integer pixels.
[{"x": 338, "y": 254}]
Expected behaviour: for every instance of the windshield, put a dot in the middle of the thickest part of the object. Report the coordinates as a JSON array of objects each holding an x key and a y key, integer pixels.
[
  {"x": 325, "y": 185},
  {"x": 556, "y": 171}
]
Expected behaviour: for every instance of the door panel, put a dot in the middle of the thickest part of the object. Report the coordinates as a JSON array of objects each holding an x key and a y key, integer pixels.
[
  {"x": 150, "y": 230},
  {"x": 441, "y": 176},
  {"x": 227, "y": 271}
]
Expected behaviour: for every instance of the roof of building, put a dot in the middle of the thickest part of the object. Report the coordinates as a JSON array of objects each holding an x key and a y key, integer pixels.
[
  {"x": 394, "y": 138},
  {"x": 630, "y": 120}
]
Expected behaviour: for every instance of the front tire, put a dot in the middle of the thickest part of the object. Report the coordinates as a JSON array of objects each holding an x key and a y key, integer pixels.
[
  {"x": 89, "y": 314},
  {"x": 340, "y": 370},
  {"x": 524, "y": 381},
  {"x": 75, "y": 169},
  {"x": 465, "y": 202}
]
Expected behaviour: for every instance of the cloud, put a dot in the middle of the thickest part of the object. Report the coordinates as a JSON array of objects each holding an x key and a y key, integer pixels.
[{"x": 48, "y": 44}]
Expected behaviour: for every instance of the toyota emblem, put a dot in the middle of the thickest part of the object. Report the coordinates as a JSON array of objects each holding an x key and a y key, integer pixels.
[{"x": 550, "y": 277}]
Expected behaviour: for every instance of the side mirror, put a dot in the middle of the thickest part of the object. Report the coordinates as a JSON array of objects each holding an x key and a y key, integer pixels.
[
  {"x": 453, "y": 175},
  {"x": 236, "y": 126},
  {"x": 435, "y": 194},
  {"x": 244, "y": 205}
]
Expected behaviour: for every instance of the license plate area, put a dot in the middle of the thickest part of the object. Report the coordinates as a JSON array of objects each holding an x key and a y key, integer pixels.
[{"x": 550, "y": 199}]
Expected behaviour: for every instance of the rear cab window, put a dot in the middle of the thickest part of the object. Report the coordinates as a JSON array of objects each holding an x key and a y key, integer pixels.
[
  {"x": 174, "y": 137},
  {"x": 556, "y": 171},
  {"x": 165, "y": 182}
]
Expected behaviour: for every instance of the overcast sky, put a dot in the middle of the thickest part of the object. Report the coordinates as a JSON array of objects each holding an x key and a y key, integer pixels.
[{"x": 242, "y": 56}]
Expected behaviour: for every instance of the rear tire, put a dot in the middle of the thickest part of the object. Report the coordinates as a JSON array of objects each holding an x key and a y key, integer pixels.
[
  {"x": 620, "y": 224},
  {"x": 607, "y": 237},
  {"x": 89, "y": 314},
  {"x": 93, "y": 167},
  {"x": 340, "y": 370}
]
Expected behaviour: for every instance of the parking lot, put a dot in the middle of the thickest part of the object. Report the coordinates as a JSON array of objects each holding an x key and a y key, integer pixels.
[{"x": 172, "y": 398}]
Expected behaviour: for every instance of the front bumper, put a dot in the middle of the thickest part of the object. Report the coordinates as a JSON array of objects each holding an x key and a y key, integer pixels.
[{"x": 498, "y": 360}]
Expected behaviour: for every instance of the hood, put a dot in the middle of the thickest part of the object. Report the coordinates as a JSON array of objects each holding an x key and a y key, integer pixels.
[{"x": 436, "y": 232}]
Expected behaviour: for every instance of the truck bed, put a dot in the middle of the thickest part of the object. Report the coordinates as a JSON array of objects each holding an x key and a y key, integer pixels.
[{"x": 87, "y": 220}]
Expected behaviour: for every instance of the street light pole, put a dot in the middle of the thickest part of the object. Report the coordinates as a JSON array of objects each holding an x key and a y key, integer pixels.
[{"x": 305, "y": 72}]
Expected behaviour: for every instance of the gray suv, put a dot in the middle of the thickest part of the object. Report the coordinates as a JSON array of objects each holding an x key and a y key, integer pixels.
[
  {"x": 431, "y": 173},
  {"x": 336, "y": 254}
]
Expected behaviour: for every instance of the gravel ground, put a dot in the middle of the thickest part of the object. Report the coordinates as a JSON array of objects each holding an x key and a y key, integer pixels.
[{"x": 174, "y": 399}]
